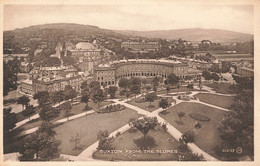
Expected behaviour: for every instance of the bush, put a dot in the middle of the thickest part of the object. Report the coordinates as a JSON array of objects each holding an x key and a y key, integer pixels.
[
  {"x": 118, "y": 133},
  {"x": 199, "y": 117},
  {"x": 111, "y": 108}
]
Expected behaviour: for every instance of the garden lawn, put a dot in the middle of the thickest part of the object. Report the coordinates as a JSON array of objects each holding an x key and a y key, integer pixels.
[
  {"x": 88, "y": 127},
  {"x": 145, "y": 105},
  {"x": 218, "y": 100},
  {"x": 126, "y": 141},
  {"x": 208, "y": 136},
  {"x": 76, "y": 109},
  {"x": 224, "y": 88}
]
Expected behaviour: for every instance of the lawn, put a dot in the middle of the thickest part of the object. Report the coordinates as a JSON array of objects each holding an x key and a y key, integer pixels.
[
  {"x": 208, "y": 136},
  {"x": 222, "y": 88},
  {"x": 88, "y": 127},
  {"x": 76, "y": 109},
  {"x": 221, "y": 101},
  {"x": 145, "y": 105},
  {"x": 125, "y": 141}
]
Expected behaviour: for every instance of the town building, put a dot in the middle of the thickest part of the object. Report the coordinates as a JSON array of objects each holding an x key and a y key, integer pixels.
[
  {"x": 141, "y": 46},
  {"x": 110, "y": 73},
  {"x": 245, "y": 69}
]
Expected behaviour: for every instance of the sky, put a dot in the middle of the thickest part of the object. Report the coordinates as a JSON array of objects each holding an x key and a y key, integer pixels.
[{"x": 147, "y": 17}]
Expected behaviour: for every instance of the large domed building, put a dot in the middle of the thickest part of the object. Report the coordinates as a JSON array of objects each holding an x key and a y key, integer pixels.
[{"x": 85, "y": 46}]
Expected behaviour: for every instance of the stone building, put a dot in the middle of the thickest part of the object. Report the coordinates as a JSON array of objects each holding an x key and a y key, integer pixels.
[{"x": 111, "y": 73}]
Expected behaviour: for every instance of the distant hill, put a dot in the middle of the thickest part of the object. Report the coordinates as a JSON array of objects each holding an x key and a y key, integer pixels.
[{"x": 194, "y": 34}]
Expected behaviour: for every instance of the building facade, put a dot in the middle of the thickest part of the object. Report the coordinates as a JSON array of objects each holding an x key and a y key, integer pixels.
[
  {"x": 141, "y": 46},
  {"x": 138, "y": 68}
]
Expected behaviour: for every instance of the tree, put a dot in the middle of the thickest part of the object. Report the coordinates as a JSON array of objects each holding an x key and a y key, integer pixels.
[
  {"x": 200, "y": 84},
  {"x": 181, "y": 114},
  {"x": 40, "y": 145},
  {"x": 112, "y": 91},
  {"x": 237, "y": 127},
  {"x": 122, "y": 93},
  {"x": 172, "y": 79},
  {"x": 190, "y": 86},
  {"x": 85, "y": 98},
  {"x": 29, "y": 111},
  {"x": 123, "y": 83},
  {"x": 155, "y": 81},
  {"x": 135, "y": 89},
  {"x": 127, "y": 95},
  {"x": 135, "y": 81},
  {"x": 43, "y": 97},
  {"x": 168, "y": 89},
  {"x": 164, "y": 104},
  {"x": 48, "y": 112},
  {"x": 10, "y": 121},
  {"x": 47, "y": 127},
  {"x": 94, "y": 86},
  {"x": 104, "y": 140},
  {"x": 67, "y": 108},
  {"x": 148, "y": 88},
  {"x": 150, "y": 97},
  {"x": 187, "y": 137},
  {"x": 59, "y": 96},
  {"x": 178, "y": 87},
  {"x": 24, "y": 100},
  {"x": 98, "y": 96},
  {"x": 144, "y": 125},
  {"x": 76, "y": 141},
  {"x": 70, "y": 93},
  {"x": 206, "y": 75},
  {"x": 155, "y": 88},
  {"x": 215, "y": 76}
]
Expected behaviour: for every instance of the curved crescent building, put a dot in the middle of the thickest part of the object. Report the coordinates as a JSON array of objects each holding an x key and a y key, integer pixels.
[{"x": 109, "y": 74}]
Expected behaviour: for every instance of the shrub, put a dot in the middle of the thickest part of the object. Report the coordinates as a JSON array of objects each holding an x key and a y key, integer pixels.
[
  {"x": 118, "y": 133},
  {"x": 199, "y": 117},
  {"x": 111, "y": 108}
]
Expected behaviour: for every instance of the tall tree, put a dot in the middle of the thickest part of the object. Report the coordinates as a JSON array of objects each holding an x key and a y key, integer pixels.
[
  {"x": 43, "y": 97},
  {"x": 70, "y": 93},
  {"x": 237, "y": 127},
  {"x": 67, "y": 108},
  {"x": 144, "y": 125},
  {"x": 122, "y": 93},
  {"x": 112, "y": 91},
  {"x": 85, "y": 98},
  {"x": 187, "y": 137},
  {"x": 168, "y": 89},
  {"x": 164, "y": 104},
  {"x": 40, "y": 145},
  {"x": 29, "y": 111},
  {"x": 48, "y": 112},
  {"x": 9, "y": 120},
  {"x": 98, "y": 96},
  {"x": 24, "y": 100},
  {"x": 135, "y": 89},
  {"x": 123, "y": 83},
  {"x": 172, "y": 79},
  {"x": 181, "y": 114},
  {"x": 150, "y": 97}
]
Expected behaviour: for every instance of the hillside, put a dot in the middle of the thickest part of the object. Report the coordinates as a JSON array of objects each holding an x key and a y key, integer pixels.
[{"x": 194, "y": 34}]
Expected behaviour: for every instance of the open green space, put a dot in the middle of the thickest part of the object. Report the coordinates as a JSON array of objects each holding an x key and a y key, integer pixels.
[
  {"x": 125, "y": 141},
  {"x": 224, "y": 88},
  {"x": 76, "y": 109},
  {"x": 88, "y": 127},
  {"x": 218, "y": 100},
  {"x": 146, "y": 105},
  {"x": 208, "y": 136}
]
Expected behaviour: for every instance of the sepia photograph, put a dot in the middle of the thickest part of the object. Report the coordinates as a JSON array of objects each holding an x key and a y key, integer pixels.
[{"x": 120, "y": 82}]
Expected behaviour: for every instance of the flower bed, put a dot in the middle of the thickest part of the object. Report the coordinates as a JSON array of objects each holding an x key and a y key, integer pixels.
[
  {"x": 111, "y": 108},
  {"x": 199, "y": 117}
]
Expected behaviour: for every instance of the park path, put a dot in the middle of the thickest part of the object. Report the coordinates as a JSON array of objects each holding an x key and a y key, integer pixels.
[{"x": 87, "y": 153}]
